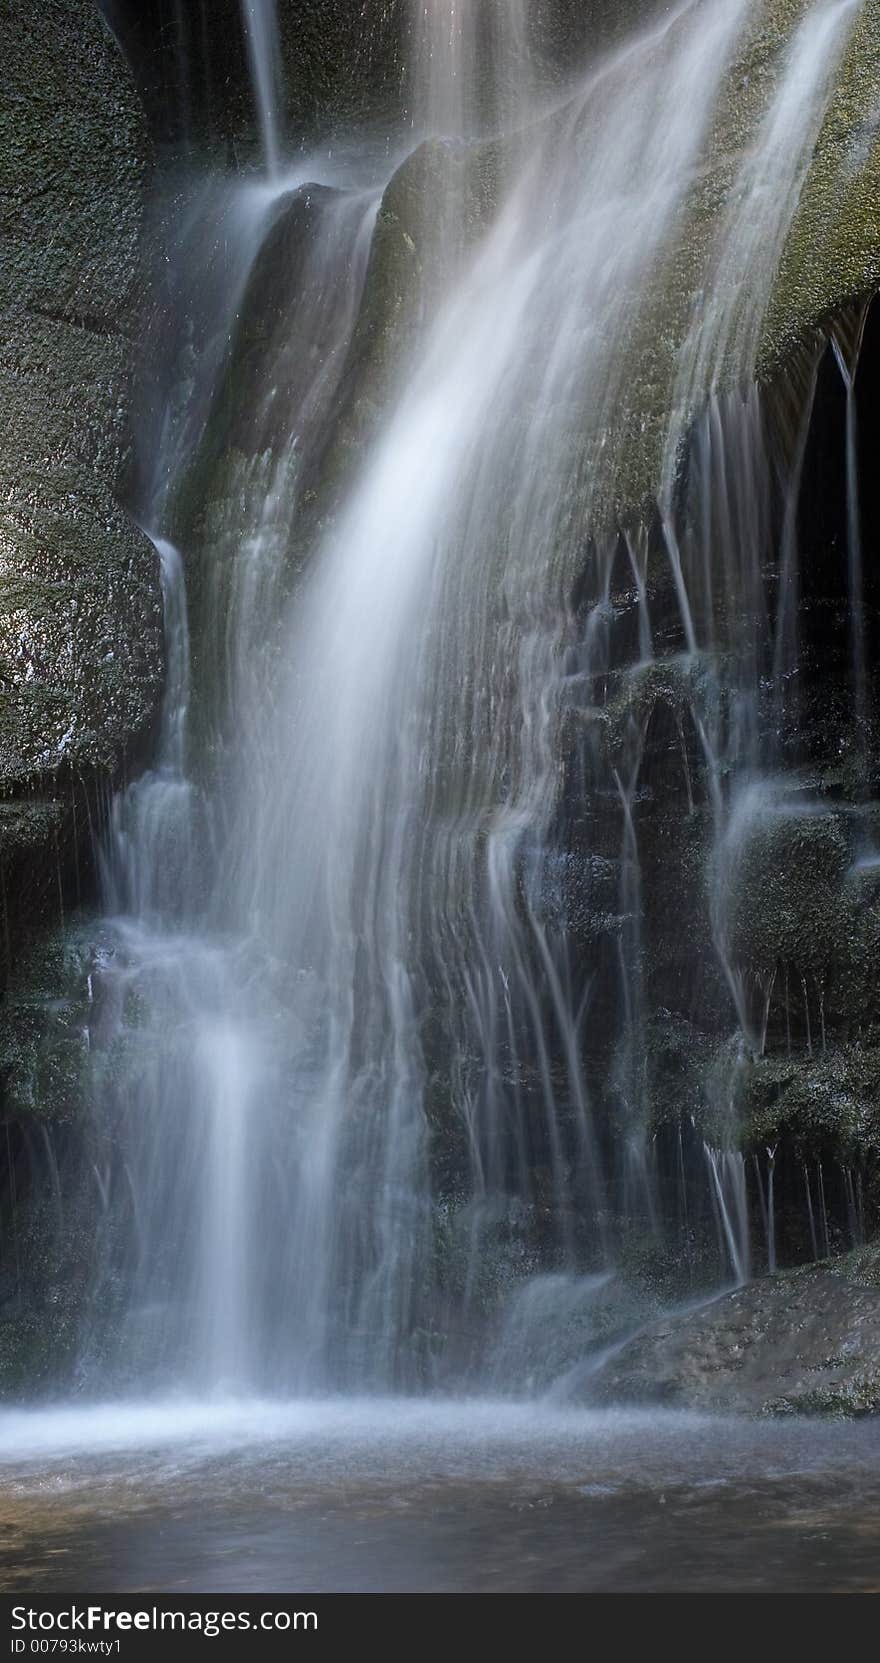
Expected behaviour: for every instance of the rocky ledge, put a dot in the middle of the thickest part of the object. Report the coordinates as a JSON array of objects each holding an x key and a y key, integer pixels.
[{"x": 805, "y": 1341}]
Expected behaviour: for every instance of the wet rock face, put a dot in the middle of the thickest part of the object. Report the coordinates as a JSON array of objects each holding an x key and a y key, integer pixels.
[
  {"x": 344, "y": 63},
  {"x": 80, "y": 617},
  {"x": 52, "y": 1167},
  {"x": 804, "y": 1342},
  {"x": 562, "y": 27},
  {"x": 798, "y": 904}
]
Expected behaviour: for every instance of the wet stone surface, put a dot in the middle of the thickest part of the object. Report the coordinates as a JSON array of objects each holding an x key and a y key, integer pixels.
[{"x": 806, "y": 1341}]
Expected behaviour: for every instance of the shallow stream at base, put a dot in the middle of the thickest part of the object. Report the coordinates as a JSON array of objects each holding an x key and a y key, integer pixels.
[{"x": 407, "y": 1495}]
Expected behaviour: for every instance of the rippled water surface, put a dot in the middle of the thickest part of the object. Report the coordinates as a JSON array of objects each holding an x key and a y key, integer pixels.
[{"x": 441, "y": 1496}]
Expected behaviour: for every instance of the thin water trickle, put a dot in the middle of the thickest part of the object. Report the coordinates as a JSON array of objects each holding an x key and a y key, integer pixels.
[
  {"x": 861, "y": 698},
  {"x": 264, "y": 50}
]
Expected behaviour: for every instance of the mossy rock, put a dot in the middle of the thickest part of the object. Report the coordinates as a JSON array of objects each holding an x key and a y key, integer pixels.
[
  {"x": 784, "y": 881},
  {"x": 817, "y": 1105},
  {"x": 830, "y": 259},
  {"x": 796, "y": 911},
  {"x": 828, "y": 1101},
  {"x": 46, "y": 1016},
  {"x": 678, "y": 1057},
  {"x": 848, "y": 1399},
  {"x": 44, "y": 1278},
  {"x": 832, "y": 255}
]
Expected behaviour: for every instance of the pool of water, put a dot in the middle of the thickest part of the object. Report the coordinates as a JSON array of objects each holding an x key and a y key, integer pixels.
[{"x": 418, "y": 1496}]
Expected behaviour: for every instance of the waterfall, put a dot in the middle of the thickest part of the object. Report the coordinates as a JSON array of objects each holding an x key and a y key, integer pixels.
[
  {"x": 356, "y": 1076},
  {"x": 444, "y": 58},
  {"x": 471, "y": 66},
  {"x": 264, "y": 54},
  {"x": 193, "y": 1004}
]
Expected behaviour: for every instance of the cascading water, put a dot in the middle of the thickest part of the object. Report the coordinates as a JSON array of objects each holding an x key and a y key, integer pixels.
[
  {"x": 348, "y": 951},
  {"x": 471, "y": 67},
  {"x": 194, "y": 1008}
]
